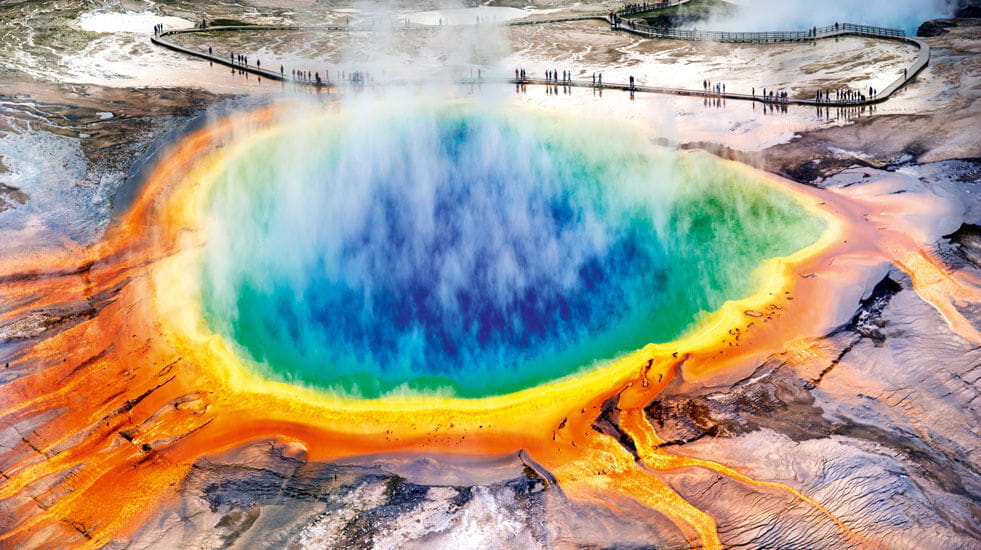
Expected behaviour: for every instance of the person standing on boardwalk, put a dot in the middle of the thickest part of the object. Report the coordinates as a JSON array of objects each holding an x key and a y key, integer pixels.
[{"x": 631, "y": 82}]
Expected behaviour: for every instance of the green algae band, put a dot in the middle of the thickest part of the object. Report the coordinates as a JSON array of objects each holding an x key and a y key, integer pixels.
[{"x": 446, "y": 249}]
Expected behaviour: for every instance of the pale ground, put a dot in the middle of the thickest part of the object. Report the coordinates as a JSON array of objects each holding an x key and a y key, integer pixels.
[{"x": 888, "y": 438}]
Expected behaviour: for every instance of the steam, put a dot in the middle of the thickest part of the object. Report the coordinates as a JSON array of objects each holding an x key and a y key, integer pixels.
[
  {"x": 388, "y": 44},
  {"x": 462, "y": 213},
  {"x": 408, "y": 239},
  {"x": 399, "y": 241},
  {"x": 767, "y": 15}
]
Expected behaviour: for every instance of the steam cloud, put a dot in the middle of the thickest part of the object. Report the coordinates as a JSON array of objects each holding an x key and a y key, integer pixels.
[
  {"x": 766, "y": 15},
  {"x": 409, "y": 241}
]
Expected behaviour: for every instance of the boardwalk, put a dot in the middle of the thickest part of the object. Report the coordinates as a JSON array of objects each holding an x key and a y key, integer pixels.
[{"x": 624, "y": 25}]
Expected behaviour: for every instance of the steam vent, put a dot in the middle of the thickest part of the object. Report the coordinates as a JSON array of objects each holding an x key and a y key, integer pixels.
[{"x": 688, "y": 274}]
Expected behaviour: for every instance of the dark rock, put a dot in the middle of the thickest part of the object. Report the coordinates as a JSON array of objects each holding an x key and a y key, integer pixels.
[
  {"x": 608, "y": 423},
  {"x": 867, "y": 321},
  {"x": 967, "y": 242},
  {"x": 773, "y": 397},
  {"x": 935, "y": 27},
  {"x": 968, "y": 8}
]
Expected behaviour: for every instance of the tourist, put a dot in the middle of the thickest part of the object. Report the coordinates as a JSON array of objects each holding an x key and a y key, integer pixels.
[
  {"x": 594, "y": 79},
  {"x": 599, "y": 79},
  {"x": 282, "y": 71},
  {"x": 209, "y": 50},
  {"x": 631, "y": 82}
]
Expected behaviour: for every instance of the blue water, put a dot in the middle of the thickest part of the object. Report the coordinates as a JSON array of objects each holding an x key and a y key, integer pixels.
[
  {"x": 780, "y": 15},
  {"x": 469, "y": 254}
]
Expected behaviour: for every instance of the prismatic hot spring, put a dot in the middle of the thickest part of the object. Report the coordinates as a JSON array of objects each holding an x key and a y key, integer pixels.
[
  {"x": 470, "y": 254},
  {"x": 413, "y": 277}
]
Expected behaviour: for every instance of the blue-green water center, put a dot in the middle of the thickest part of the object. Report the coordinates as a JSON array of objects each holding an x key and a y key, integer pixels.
[{"x": 445, "y": 249}]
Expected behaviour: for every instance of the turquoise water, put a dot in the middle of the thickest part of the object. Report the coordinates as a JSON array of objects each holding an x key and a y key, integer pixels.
[{"x": 472, "y": 253}]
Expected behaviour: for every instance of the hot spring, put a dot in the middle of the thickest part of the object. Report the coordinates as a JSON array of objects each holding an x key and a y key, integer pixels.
[{"x": 472, "y": 251}]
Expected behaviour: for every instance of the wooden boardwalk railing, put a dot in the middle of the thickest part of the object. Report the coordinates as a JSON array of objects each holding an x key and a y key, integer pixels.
[
  {"x": 641, "y": 8},
  {"x": 816, "y": 33}
]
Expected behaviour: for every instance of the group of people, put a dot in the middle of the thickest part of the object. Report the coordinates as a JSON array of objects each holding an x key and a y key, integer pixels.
[
  {"x": 158, "y": 29},
  {"x": 307, "y": 76},
  {"x": 298, "y": 75},
  {"x": 778, "y": 96},
  {"x": 238, "y": 59},
  {"x": 718, "y": 88},
  {"x": 821, "y": 96},
  {"x": 553, "y": 76},
  {"x": 845, "y": 96},
  {"x": 642, "y": 7}
]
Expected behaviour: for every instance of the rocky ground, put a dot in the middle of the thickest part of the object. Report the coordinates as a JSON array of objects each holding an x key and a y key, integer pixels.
[{"x": 879, "y": 423}]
